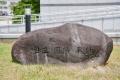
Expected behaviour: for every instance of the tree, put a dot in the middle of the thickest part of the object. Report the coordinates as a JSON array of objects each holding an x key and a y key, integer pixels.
[{"x": 19, "y": 8}]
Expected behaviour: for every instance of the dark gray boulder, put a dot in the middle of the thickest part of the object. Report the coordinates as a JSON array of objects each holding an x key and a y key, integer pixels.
[{"x": 69, "y": 43}]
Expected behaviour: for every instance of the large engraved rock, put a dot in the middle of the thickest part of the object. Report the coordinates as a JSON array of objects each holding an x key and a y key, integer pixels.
[{"x": 69, "y": 43}]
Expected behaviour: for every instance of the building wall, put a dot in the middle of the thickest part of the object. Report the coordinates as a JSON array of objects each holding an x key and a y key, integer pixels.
[
  {"x": 63, "y": 6},
  {"x": 107, "y": 25},
  {"x": 5, "y": 8},
  {"x": 51, "y": 6}
]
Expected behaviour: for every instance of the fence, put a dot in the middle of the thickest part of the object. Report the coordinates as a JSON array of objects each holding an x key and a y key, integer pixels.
[
  {"x": 105, "y": 19},
  {"x": 18, "y": 19}
]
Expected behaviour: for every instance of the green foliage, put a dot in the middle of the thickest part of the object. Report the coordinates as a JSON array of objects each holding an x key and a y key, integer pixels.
[{"x": 19, "y": 8}]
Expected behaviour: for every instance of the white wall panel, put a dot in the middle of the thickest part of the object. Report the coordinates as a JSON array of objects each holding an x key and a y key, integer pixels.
[
  {"x": 117, "y": 24},
  {"x": 13, "y": 30},
  {"x": 3, "y": 30},
  {"x": 108, "y": 25},
  {"x": 88, "y": 23},
  {"x": 97, "y": 24},
  {"x": 50, "y": 10}
]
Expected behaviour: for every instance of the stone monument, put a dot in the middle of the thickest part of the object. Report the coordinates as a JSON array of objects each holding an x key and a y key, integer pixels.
[{"x": 68, "y": 43}]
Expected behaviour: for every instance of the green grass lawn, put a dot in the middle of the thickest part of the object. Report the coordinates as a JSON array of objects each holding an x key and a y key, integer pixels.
[{"x": 14, "y": 71}]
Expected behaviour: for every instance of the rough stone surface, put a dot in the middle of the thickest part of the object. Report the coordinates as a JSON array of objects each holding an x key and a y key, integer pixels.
[{"x": 69, "y": 43}]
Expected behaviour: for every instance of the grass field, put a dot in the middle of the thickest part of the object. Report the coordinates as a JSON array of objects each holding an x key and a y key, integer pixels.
[{"x": 14, "y": 71}]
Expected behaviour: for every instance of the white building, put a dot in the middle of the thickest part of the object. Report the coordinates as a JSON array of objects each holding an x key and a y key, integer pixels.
[
  {"x": 52, "y": 6},
  {"x": 101, "y": 14},
  {"x": 5, "y": 8},
  {"x": 5, "y": 11}
]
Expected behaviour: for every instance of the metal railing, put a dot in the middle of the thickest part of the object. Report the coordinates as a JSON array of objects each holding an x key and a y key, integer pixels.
[{"x": 18, "y": 19}]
